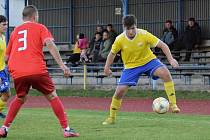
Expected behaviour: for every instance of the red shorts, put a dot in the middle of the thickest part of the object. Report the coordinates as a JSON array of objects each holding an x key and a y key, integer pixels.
[{"x": 40, "y": 82}]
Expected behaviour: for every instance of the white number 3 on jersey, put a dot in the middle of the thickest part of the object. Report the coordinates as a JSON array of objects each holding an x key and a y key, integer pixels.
[{"x": 23, "y": 39}]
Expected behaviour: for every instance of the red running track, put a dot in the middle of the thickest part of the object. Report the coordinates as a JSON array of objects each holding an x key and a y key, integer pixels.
[{"x": 129, "y": 104}]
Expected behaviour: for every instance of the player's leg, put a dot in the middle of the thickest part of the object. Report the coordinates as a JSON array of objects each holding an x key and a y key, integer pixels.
[
  {"x": 22, "y": 87},
  {"x": 116, "y": 104},
  {"x": 60, "y": 113},
  {"x": 165, "y": 75},
  {"x": 121, "y": 90},
  {"x": 3, "y": 100},
  {"x": 4, "y": 90},
  {"x": 46, "y": 86},
  {"x": 128, "y": 78}
]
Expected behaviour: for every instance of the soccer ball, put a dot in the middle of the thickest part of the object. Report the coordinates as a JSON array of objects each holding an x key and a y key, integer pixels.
[{"x": 160, "y": 105}]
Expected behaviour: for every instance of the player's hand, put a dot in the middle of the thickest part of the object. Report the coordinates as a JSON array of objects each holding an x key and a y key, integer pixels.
[
  {"x": 174, "y": 63},
  {"x": 66, "y": 71},
  {"x": 107, "y": 71}
]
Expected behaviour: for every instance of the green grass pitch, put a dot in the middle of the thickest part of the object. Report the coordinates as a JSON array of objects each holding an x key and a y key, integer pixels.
[{"x": 41, "y": 124}]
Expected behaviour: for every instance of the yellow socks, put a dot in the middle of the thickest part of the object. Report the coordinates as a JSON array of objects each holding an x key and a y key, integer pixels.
[
  {"x": 2, "y": 105},
  {"x": 169, "y": 88},
  {"x": 115, "y": 105}
]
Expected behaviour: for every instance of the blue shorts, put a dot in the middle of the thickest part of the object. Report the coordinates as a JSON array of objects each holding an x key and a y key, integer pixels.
[
  {"x": 131, "y": 76},
  {"x": 5, "y": 84}
]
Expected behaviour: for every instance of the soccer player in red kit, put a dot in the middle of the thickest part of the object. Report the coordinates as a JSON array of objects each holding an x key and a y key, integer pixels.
[{"x": 28, "y": 69}]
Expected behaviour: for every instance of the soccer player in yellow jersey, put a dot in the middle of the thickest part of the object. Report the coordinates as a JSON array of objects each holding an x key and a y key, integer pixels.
[
  {"x": 4, "y": 77},
  {"x": 138, "y": 58}
]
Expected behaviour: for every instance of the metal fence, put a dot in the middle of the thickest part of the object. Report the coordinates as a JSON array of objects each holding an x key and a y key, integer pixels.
[
  {"x": 66, "y": 18},
  {"x": 56, "y": 16},
  {"x": 200, "y": 10},
  {"x": 151, "y": 14},
  {"x": 90, "y": 13}
]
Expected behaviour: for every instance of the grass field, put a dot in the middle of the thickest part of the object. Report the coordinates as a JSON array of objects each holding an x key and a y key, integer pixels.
[{"x": 40, "y": 124}]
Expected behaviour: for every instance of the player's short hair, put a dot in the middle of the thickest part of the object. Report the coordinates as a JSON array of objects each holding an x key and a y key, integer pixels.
[
  {"x": 99, "y": 33},
  {"x": 3, "y": 18},
  {"x": 29, "y": 11},
  {"x": 110, "y": 25},
  {"x": 81, "y": 35},
  {"x": 129, "y": 20},
  {"x": 106, "y": 31},
  {"x": 168, "y": 21},
  {"x": 191, "y": 19}
]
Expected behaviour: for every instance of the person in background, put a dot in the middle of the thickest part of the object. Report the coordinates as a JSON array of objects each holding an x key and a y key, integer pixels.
[
  {"x": 99, "y": 29},
  {"x": 95, "y": 47},
  {"x": 170, "y": 34},
  {"x": 83, "y": 45},
  {"x": 112, "y": 32},
  {"x": 74, "y": 58},
  {"x": 106, "y": 46},
  {"x": 189, "y": 39},
  {"x": 4, "y": 75}
]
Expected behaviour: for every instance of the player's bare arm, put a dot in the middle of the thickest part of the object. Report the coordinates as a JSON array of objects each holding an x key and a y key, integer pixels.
[
  {"x": 168, "y": 54},
  {"x": 6, "y": 58},
  {"x": 109, "y": 61},
  {"x": 56, "y": 55}
]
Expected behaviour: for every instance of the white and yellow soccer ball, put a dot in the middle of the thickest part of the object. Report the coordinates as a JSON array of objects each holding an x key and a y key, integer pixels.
[{"x": 160, "y": 105}]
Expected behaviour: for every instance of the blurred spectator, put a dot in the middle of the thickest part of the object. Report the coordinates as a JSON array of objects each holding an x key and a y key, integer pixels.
[
  {"x": 118, "y": 58},
  {"x": 112, "y": 33},
  {"x": 170, "y": 34},
  {"x": 99, "y": 29},
  {"x": 190, "y": 37},
  {"x": 105, "y": 48},
  {"x": 74, "y": 58},
  {"x": 94, "y": 47},
  {"x": 83, "y": 45}
]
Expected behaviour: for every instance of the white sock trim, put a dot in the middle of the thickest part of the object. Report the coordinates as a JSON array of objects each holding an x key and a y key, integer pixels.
[
  {"x": 7, "y": 128},
  {"x": 67, "y": 128}
]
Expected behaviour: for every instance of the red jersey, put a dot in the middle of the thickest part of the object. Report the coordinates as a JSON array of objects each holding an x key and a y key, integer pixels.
[{"x": 25, "y": 49}]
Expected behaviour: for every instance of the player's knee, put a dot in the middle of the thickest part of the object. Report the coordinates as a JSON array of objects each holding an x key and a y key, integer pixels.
[
  {"x": 166, "y": 76},
  {"x": 120, "y": 93},
  {"x": 118, "y": 96},
  {"x": 51, "y": 95},
  {"x": 22, "y": 98},
  {"x": 162, "y": 73}
]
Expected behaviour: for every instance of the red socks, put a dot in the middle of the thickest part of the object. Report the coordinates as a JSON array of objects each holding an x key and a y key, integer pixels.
[
  {"x": 58, "y": 109},
  {"x": 14, "y": 107},
  {"x": 56, "y": 105}
]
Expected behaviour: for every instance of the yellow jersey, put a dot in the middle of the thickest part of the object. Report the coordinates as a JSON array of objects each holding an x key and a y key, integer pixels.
[
  {"x": 76, "y": 49},
  {"x": 135, "y": 52},
  {"x": 2, "y": 52}
]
